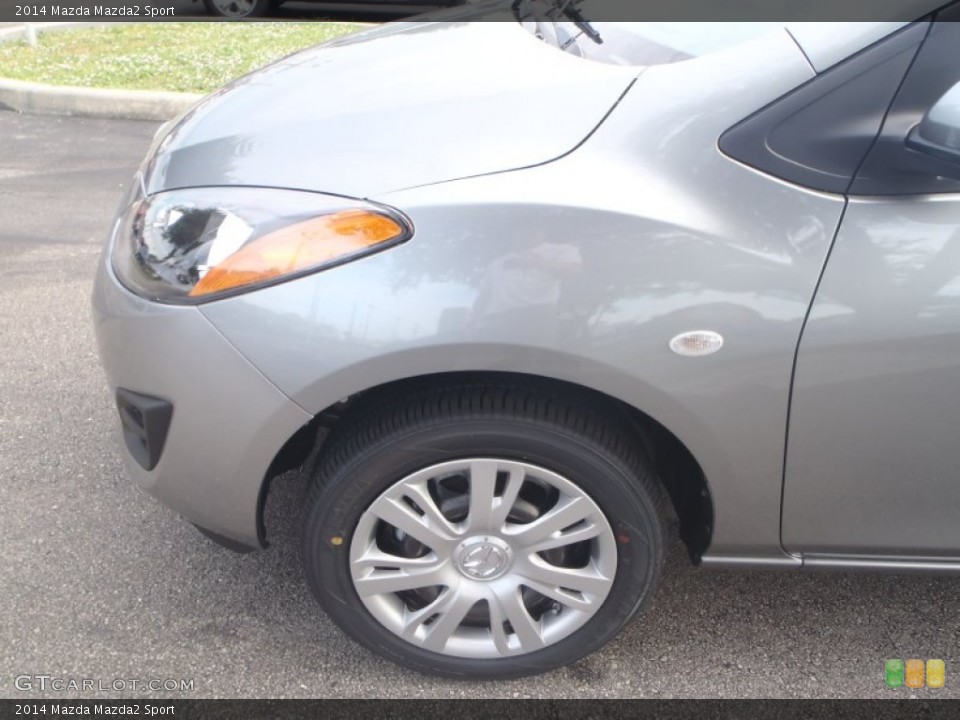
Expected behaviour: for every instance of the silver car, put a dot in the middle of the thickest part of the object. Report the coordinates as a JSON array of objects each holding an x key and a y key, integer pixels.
[{"x": 515, "y": 294}]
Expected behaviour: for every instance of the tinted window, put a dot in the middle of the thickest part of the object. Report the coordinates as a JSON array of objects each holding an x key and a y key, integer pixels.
[
  {"x": 891, "y": 167},
  {"x": 819, "y": 135}
]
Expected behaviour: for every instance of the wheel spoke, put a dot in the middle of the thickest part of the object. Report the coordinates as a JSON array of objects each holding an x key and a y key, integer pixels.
[
  {"x": 509, "y": 606},
  {"x": 561, "y": 539},
  {"x": 569, "y": 586},
  {"x": 451, "y": 613},
  {"x": 557, "y": 519},
  {"x": 414, "y": 619},
  {"x": 376, "y": 558},
  {"x": 378, "y": 582},
  {"x": 515, "y": 479},
  {"x": 483, "y": 483},
  {"x": 488, "y": 512},
  {"x": 424, "y": 528},
  {"x": 424, "y": 500}
]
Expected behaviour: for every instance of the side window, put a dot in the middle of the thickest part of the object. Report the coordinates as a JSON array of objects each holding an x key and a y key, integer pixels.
[
  {"x": 891, "y": 168},
  {"x": 819, "y": 134}
]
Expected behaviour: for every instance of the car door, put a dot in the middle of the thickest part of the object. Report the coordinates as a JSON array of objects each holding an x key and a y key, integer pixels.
[{"x": 873, "y": 445}]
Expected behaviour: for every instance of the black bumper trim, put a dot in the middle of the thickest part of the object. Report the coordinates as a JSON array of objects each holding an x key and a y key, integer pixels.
[{"x": 145, "y": 421}]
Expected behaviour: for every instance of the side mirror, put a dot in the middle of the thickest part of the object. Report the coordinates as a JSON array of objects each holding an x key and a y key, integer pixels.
[{"x": 939, "y": 132}]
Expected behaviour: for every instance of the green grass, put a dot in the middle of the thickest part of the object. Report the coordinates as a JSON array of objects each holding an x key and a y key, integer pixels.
[{"x": 182, "y": 57}]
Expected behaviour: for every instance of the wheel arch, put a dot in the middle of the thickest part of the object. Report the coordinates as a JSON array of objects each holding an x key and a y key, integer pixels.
[{"x": 680, "y": 474}]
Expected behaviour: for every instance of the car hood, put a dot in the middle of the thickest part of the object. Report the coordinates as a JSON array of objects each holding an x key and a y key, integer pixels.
[{"x": 401, "y": 106}]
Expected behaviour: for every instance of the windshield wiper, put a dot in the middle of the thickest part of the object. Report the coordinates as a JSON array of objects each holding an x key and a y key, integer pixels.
[
  {"x": 560, "y": 8},
  {"x": 570, "y": 10}
]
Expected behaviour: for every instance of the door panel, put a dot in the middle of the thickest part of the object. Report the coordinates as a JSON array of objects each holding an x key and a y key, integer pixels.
[
  {"x": 873, "y": 461},
  {"x": 873, "y": 447}
]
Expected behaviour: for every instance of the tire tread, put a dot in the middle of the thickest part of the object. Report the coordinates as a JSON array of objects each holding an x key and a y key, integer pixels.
[{"x": 435, "y": 404}]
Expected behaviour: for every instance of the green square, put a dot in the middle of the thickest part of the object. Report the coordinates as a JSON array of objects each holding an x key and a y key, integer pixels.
[{"x": 894, "y": 673}]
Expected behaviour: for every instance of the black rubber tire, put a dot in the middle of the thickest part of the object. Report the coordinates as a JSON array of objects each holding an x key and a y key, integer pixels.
[
  {"x": 381, "y": 444},
  {"x": 260, "y": 8}
]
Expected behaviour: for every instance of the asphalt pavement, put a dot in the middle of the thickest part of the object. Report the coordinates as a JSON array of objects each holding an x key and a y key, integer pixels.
[{"x": 98, "y": 581}]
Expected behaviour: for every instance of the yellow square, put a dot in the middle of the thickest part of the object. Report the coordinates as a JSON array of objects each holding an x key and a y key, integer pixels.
[
  {"x": 914, "y": 673},
  {"x": 936, "y": 673}
]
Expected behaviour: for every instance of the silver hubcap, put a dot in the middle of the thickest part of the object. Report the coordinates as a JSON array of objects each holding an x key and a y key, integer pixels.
[
  {"x": 234, "y": 8},
  {"x": 483, "y": 558}
]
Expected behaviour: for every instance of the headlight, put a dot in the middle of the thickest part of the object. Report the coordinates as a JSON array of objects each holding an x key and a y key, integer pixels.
[{"x": 190, "y": 246}]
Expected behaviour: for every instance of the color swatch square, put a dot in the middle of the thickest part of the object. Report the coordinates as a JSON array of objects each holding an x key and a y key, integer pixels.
[
  {"x": 936, "y": 673},
  {"x": 894, "y": 673},
  {"x": 915, "y": 673}
]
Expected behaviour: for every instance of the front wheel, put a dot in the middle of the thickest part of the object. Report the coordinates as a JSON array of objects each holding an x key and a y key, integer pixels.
[
  {"x": 238, "y": 9},
  {"x": 482, "y": 532}
]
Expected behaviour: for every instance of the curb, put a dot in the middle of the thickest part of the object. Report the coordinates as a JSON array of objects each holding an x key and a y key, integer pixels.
[
  {"x": 19, "y": 31},
  {"x": 28, "y": 97},
  {"x": 41, "y": 99}
]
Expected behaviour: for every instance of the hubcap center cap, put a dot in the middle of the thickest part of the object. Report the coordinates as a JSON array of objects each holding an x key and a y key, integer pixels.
[{"x": 483, "y": 557}]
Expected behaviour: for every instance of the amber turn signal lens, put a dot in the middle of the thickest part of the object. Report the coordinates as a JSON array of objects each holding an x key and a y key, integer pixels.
[{"x": 298, "y": 248}]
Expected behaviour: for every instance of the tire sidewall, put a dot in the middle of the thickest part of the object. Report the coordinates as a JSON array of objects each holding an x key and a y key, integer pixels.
[{"x": 352, "y": 488}]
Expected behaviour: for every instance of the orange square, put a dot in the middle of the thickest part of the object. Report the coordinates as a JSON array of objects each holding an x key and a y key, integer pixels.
[
  {"x": 914, "y": 673},
  {"x": 936, "y": 673}
]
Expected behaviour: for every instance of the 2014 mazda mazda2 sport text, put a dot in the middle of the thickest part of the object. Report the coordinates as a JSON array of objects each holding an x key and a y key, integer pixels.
[{"x": 509, "y": 291}]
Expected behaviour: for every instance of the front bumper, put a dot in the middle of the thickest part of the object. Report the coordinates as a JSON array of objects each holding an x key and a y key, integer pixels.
[{"x": 228, "y": 421}]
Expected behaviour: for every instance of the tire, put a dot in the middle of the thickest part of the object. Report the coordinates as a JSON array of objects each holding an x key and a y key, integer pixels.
[
  {"x": 561, "y": 458},
  {"x": 238, "y": 9}
]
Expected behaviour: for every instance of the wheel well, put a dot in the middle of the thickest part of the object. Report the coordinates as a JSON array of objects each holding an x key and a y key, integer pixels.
[{"x": 679, "y": 472}]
